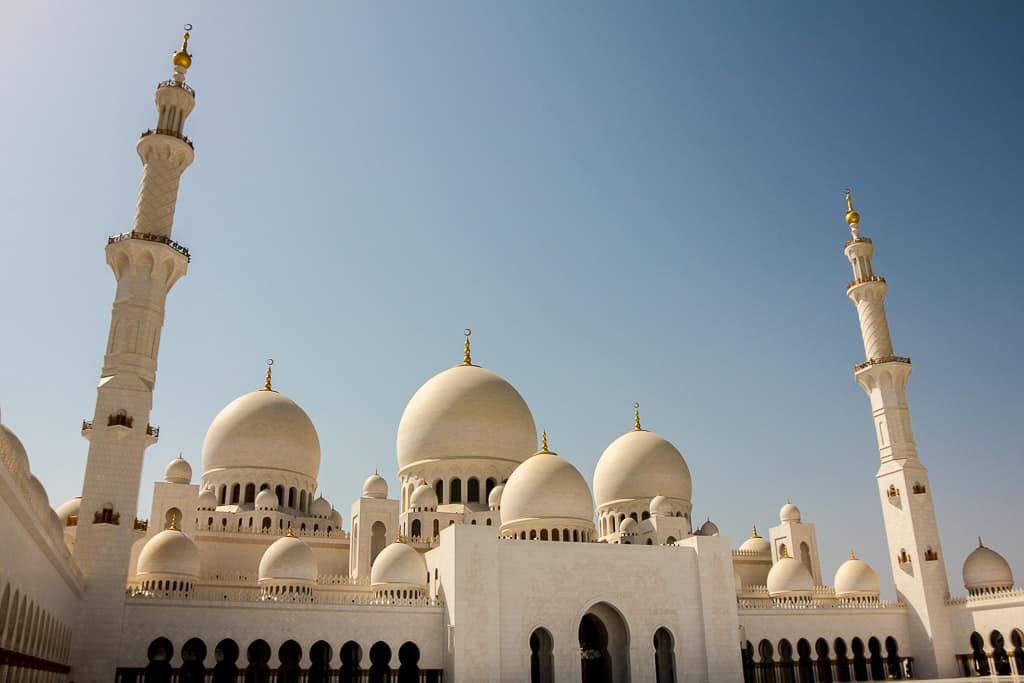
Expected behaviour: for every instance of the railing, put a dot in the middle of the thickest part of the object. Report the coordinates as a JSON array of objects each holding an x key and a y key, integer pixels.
[
  {"x": 990, "y": 594},
  {"x": 141, "y": 524},
  {"x": 855, "y": 240},
  {"x": 816, "y": 603},
  {"x": 882, "y": 359},
  {"x": 153, "y": 431},
  {"x": 86, "y": 425},
  {"x": 1005, "y": 665},
  {"x": 14, "y": 661},
  {"x": 138, "y": 675},
  {"x": 133, "y": 235},
  {"x": 167, "y": 131},
  {"x": 255, "y": 595},
  {"x": 862, "y": 280},
  {"x": 176, "y": 84},
  {"x": 867, "y": 667}
]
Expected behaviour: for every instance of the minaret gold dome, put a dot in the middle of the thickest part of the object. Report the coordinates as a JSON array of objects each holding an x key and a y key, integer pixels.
[
  {"x": 182, "y": 57},
  {"x": 852, "y": 217}
]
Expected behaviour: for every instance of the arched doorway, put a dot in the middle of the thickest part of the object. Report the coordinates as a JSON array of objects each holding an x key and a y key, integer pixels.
[
  {"x": 542, "y": 661},
  {"x": 380, "y": 662},
  {"x": 409, "y": 663},
  {"x": 804, "y": 667},
  {"x": 892, "y": 659},
  {"x": 842, "y": 663},
  {"x": 785, "y": 665},
  {"x": 664, "y": 656},
  {"x": 824, "y": 661},
  {"x": 226, "y": 657},
  {"x": 258, "y": 670},
  {"x": 351, "y": 658},
  {"x": 290, "y": 654},
  {"x": 159, "y": 668},
  {"x": 860, "y": 664},
  {"x": 1000, "y": 660},
  {"x": 320, "y": 662},
  {"x": 877, "y": 665},
  {"x": 604, "y": 645},
  {"x": 193, "y": 652},
  {"x": 378, "y": 539}
]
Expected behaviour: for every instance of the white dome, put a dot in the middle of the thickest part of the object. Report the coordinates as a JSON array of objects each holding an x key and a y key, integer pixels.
[
  {"x": 13, "y": 451},
  {"x": 708, "y": 528},
  {"x": 266, "y": 500},
  {"x": 169, "y": 552},
  {"x": 262, "y": 429},
  {"x": 756, "y": 544},
  {"x": 288, "y": 559},
  {"x": 69, "y": 509},
  {"x": 320, "y": 508},
  {"x": 207, "y": 500},
  {"x": 641, "y": 464},
  {"x": 789, "y": 578},
  {"x": 375, "y": 486},
  {"x": 856, "y": 579},
  {"x": 178, "y": 471},
  {"x": 423, "y": 497},
  {"x": 465, "y": 412},
  {"x": 660, "y": 506},
  {"x": 546, "y": 486},
  {"x": 494, "y": 498},
  {"x": 399, "y": 563},
  {"x": 985, "y": 569},
  {"x": 789, "y": 513},
  {"x": 336, "y": 518},
  {"x": 628, "y": 526}
]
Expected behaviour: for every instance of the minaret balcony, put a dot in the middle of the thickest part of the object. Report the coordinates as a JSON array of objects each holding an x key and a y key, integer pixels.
[
  {"x": 167, "y": 131},
  {"x": 87, "y": 429},
  {"x": 149, "y": 237},
  {"x": 878, "y": 361},
  {"x": 863, "y": 280},
  {"x": 857, "y": 240},
  {"x": 171, "y": 83},
  {"x": 152, "y": 435}
]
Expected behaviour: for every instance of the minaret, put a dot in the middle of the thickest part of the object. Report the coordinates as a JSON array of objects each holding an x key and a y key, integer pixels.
[
  {"x": 907, "y": 508},
  {"x": 146, "y": 264}
]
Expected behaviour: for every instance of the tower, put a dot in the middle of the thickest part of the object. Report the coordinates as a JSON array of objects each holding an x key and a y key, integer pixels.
[
  {"x": 146, "y": 264},
  {"x": 907, "y": 508}
]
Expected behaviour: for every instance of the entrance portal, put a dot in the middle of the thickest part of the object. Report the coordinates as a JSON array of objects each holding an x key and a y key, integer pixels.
[{"x": 604, "y": 645}]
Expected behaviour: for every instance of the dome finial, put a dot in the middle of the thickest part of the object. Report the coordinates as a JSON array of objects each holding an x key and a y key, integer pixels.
[
  {"x": 270, "y": 365},
  {"x": 291, "y": 531},
  {"x": 852, "y": 556},
  {"x": 754, "y": 534},
  {"x": 544, "y": 444},
  {"x": 182, "y": 58},
  {"x": 783, "y": 552},
  {"x": 980, "y": 544},
  {"x": 636, "y": 418},
  {"x": 398, "y": 538},
  {"x": 174, "y": 522},
  {"x": 467, "y": 358},
  {"x": 852, "y": 217}
]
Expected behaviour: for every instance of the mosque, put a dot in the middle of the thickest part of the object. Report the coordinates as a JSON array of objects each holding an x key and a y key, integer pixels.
[{"x": 245, "y": 573}]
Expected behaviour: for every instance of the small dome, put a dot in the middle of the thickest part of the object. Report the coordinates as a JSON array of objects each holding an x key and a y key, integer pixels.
[
  {"x": 789, "y": 513},
  {"x": 628, "y": 526},
  {"x": 641, "y": 464},
  {"x": 320, "y": 508},
  {"x": 546, "y": 486},
  {"x": 208, "y": 500},
  {"x": 660, "y": 507},
  {"x": 708, "y": 528},
  {"x": 789, "y": 578},
  {"x": 266, "y": 500},
  {"x": 288, "y": 559},
  {"x": 69, "y": 509},
  {"x": 178, "y": 471},
  {"x": 13, "y": 452},
  {"x": 169, "y": 552},
  {"x": 423, "y": 497},
  {"x": 985, "y": 570},
  {"x": 375, "y": 487},
  {"x": 756, "y": 544},
  {"x": 494, "y": 499},
  {"x": 465, "y": 412},
  {"x": 262, "y": 429},
  {"x": 856, "y": 579},
  {"x": 399, "y": 564},
  {"x": 336, "y": 518}
]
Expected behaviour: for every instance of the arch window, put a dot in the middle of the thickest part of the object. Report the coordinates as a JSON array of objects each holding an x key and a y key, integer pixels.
[
  {"x": 302, "y": 501},
  {"x": 291, "y": 497},
  {"x": 893, "y": 668},
  {"x": 842, "y": 663},
  {"x": 409, "y": 662},
  {"x": 437, "y": 528},
  {"x": 542, "y": 662},
  {"x": 875, "y": 660},
  {"x": 236, "y": 493},
  {"x": 380, "y": 662},
  {"x": 488, "y": 487},
  {"x": 472, "y": 490},
  {"x": 439, "y": 491},
  {"x": 455, "y": 490},
  {"x": 664, "y": 657},
  {"x": 417, "y": 528},
  {"x": 824, "y": 664},
  {"x": 1000, "y": 660},
  {"x": 787, "y": 670},
  {"x": 250, "y": 493}
]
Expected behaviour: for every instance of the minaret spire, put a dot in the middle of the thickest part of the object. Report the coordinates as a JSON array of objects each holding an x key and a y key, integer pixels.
[
  {"x": 146, "y": 264},
  {"x": 910, "y": 525}
]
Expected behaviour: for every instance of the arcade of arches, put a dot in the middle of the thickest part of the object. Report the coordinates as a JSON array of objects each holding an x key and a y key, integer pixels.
[{"x": 824, "y": 662}]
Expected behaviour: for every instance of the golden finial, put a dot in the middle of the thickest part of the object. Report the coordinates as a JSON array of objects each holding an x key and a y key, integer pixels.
[
  {"x": 636, "y": 418},
  {"x": 270, "y": 365},
  {"x": 398, "y": 538},
  {"x": 852, "y": 217},
  {"x": 291, "y": 531},
  {"x": 980, "y": 544},
  {"x": 467, "y": 359},
  {"x": 182, "y": 57},
  {"x": 174, "y": 522},
  {"x": 783, "y": 552},
  {"x": 754, "y": 534},
  {"x": 852, "y": 556},
  {"x": 544, "y": 445}
]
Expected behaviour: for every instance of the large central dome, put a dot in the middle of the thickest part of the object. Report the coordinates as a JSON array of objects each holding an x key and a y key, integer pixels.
[
  {"x": 465, "y": 412},
  {"x": 262, "y": 429}
]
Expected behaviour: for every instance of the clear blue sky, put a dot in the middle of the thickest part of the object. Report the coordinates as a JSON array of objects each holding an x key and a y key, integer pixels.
[{"x": 625, "y": 202}]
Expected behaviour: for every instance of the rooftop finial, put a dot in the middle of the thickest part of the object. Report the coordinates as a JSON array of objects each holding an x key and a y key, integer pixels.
[
  {"x": 852, "y": 556},
  {"x": 182, "y": 58},
  {"x": 544, "y": 444},
  {"x": 467, "y": 358},
  {"x": 852, "y": 217},
  {"x": 754, "y": 535},
  {"x": 783, "y": 552},
  {"x": 270, "y": 365},
  {"x": 980, "y": 544},
  {"x": 398, "y": 538},
  {"x": 636, "y": 418},
  {"x": 291, "y": 531},
  {"x": 174, "y": 522}
]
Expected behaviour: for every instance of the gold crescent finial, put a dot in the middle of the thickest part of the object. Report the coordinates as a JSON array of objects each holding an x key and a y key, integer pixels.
[
  {"x": 754, "y": 535},
  {"x": 636, "y": 418},
  {"x": 174, "y": 522},
  {"x": 852, "y": 217},
  {"x": 544, "y": 444},
  {"x": 852, "y": 556},
  {"x": 398, "y": 538},
  {"x": 784, "y": 552},
  {"x": 270, "y": 365},
  {"x": 291, "y": 531},
  {"x": 467, "y": 358},
  {"x": 182, "y": 57}
]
